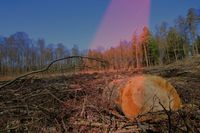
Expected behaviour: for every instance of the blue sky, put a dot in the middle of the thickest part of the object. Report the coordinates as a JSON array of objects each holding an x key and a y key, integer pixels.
[
  {"x": 169, "y": 10},
  {"x": 74, "y": 21}
]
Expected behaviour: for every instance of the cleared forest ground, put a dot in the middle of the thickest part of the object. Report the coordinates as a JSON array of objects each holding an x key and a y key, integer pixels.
[{"x": 74, "y": 103}]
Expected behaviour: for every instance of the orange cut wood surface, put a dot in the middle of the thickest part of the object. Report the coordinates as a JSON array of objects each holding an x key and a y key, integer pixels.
[{"x": 146, "y": 93}]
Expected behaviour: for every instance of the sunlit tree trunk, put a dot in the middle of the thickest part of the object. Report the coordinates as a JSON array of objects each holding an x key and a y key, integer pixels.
[{"x": 146, "y": 56}]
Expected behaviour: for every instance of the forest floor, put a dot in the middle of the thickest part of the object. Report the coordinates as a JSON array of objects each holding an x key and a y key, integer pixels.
[{"x": 74, "y": 103}]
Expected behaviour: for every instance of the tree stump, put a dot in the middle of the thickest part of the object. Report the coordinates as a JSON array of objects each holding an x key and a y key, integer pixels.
[{"x": 141, "y": 94}]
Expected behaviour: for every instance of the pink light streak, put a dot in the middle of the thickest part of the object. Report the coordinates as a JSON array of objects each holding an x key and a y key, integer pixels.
[{"x": 122, "y": 18}]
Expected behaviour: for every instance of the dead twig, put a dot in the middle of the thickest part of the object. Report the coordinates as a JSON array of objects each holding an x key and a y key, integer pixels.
[
  {"x": 168, "y": 113},
  {"x": 142, "y": 127},
  {"x": 92, "y": 124},
  {"x": 83, "y": 108},
  {"x": 54, "y": 96}
]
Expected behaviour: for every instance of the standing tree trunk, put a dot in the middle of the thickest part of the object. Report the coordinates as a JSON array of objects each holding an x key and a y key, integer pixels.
[
  {"x": 175, "y": 54},
  {"x": 196, "y": 49},
  {"x": 136, "y": 55},
  {"x": 145, "y": 54}
]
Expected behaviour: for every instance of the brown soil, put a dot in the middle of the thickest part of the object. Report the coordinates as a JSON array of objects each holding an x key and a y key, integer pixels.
[{"x": 74, "y": 103}]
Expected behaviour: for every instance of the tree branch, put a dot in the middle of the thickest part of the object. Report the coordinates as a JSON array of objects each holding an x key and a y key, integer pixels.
[{"x": 51, "y": 63}]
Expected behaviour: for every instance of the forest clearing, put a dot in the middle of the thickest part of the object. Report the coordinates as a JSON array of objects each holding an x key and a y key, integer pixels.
[
  {"x": 100, "y": 66},
  {"x": 73, "y": 103}
]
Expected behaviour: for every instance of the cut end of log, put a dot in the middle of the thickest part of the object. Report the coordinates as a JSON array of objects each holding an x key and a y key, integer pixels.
[{"x": 142, "y": 94}]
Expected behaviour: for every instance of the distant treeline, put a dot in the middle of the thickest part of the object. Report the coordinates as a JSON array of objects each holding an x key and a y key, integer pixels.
[
  {"x": 19, "y": 53},
  {"x": 166, "y": 45}
]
